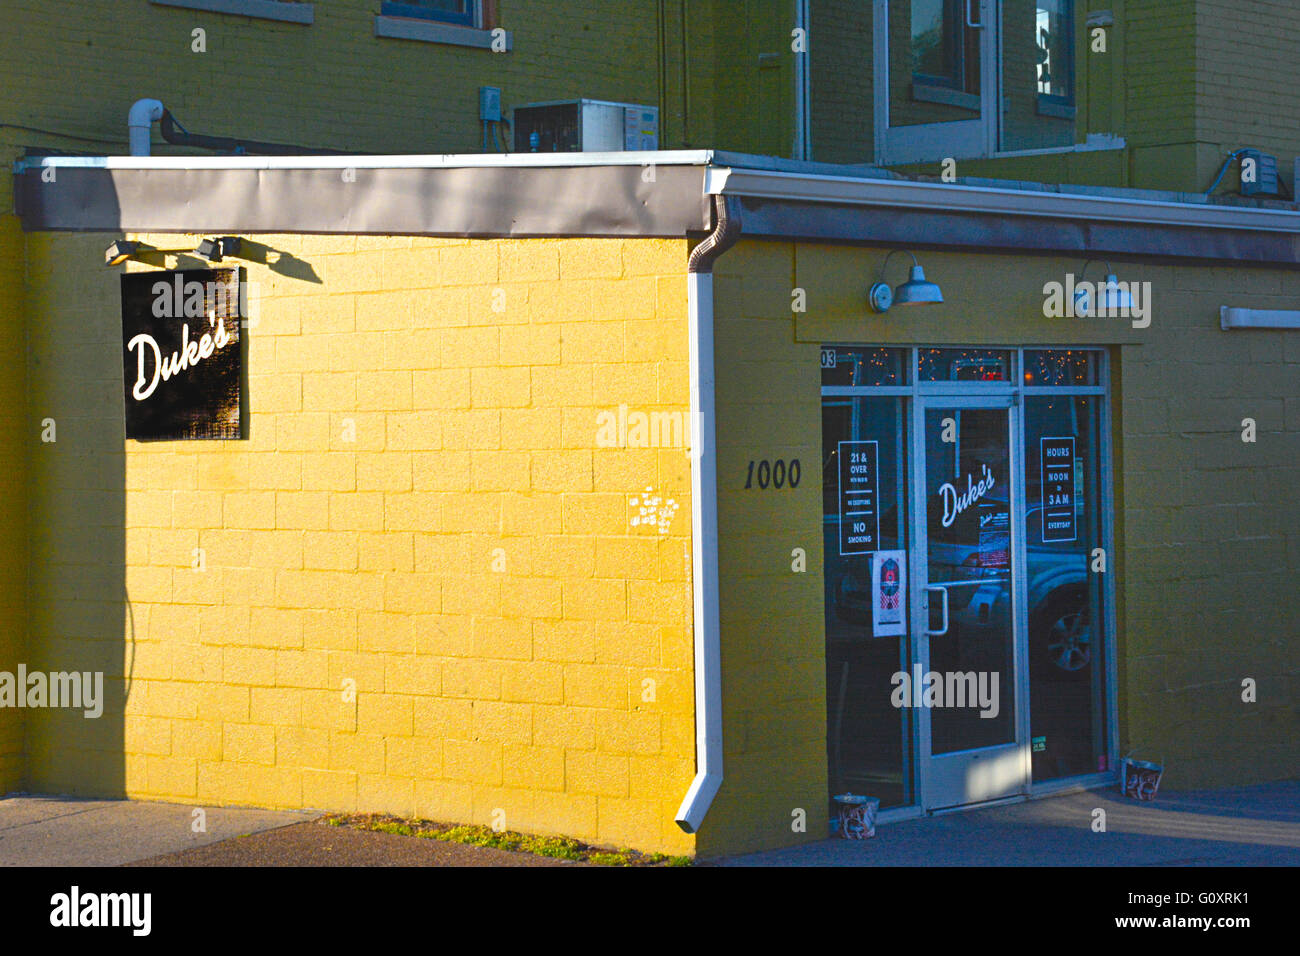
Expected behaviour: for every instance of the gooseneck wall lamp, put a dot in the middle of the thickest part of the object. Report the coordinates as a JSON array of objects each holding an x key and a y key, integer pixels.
[
  {"x": 915, "y": 291},
  {"x": 1113, "y": 298}
]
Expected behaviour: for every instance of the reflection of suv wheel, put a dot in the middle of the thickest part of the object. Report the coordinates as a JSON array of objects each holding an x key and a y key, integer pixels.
[{"x": 1062, "y": 637}]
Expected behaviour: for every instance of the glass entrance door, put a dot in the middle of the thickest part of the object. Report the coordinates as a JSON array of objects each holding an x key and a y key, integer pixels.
[
  {"x": 934, "y": 79},
  {"x": 968, "y": 602},
  {"x": 967, "y": 679}
]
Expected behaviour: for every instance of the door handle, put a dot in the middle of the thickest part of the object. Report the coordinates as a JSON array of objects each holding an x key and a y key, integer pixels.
[
  {"x": 970, "y": 20},
  {"x": 930, "y": 589}
]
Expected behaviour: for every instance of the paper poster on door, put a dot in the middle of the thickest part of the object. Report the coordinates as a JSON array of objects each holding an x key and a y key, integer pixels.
[
  {"x": 859, "y": 515},
  {"x": 889, "y": 593},
  {"x": 995, "y": 537},
  {"x": 1059, "y": 488}
]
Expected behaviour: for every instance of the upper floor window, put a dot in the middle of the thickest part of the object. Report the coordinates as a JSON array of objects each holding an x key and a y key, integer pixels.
[
  {"x": 945, "y": 51},
  {"x": 1054, "y": 25},
  {"x": 962, "y": 79},
  {"x": 462, "y": 12}
]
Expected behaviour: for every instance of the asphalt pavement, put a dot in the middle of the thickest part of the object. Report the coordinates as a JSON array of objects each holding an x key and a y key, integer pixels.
[{"x": 1247, "y": 826}]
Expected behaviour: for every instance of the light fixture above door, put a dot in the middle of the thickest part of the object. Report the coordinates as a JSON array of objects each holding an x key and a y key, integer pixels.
[
  {"x": 917, "y": 290},
  {"x": 1115, "y": 299}
]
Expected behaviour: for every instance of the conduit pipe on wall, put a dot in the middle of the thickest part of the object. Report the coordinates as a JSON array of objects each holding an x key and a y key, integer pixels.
[
  {"x": 802, "y": 96},
  {"x": 707, "y": 627},
  {"x": 139, "y": 122}
]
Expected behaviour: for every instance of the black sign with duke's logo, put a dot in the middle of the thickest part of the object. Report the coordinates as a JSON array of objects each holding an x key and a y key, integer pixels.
[{"x": 181, "y": 354}]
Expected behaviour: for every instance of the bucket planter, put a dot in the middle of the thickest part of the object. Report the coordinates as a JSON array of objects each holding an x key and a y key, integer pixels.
[
  {"x": 1140, "y": 779},
  {"x": 857, "y": 816}
]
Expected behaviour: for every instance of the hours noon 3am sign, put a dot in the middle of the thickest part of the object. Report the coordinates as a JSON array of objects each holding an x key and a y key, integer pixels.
[
  {"x": 1057, "y": 461},
  {"x": 181, "y": 354}
]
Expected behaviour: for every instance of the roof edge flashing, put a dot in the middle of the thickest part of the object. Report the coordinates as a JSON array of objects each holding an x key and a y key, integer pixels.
[
  {"x": 697, "y": 157},
  {"x": 955, "y": 197}
]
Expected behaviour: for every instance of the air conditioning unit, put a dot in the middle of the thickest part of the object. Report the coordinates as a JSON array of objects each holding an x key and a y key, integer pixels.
[
  {"x": 585, "y": 126},
  {"x": 1262, "y": 179}
]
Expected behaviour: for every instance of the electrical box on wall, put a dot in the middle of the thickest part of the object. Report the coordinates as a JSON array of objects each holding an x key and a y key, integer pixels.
[
  {"x": 585, "y": 126},
  {"x": 489, "y": 104}
]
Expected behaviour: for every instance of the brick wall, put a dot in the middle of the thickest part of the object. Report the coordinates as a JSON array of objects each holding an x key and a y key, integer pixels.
[
  {"x": 377, "y": 94},
  {"x": 841, "y": 67},
  {"x": 1245, "y": 83},
  {"x": 422, "y": 507}
]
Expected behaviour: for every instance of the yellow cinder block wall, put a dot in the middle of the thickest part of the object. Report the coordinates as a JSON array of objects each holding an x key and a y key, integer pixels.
[
  {"x": 423, "y": 510},
  {"x": 16, "y": 441},
  {"x": 1191, "y": 498},
  {"x": 770, "y": 562}
]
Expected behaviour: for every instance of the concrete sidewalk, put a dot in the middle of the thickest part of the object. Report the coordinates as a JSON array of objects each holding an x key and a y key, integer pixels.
[
  {"x": 1248, "y": 826},
  {"x": 66, "y": 831}
]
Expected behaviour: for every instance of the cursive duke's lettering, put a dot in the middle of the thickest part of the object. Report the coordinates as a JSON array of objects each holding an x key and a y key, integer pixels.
[
  {"x": 955, "y": 503},
  {"x": 191, "y": 353}
]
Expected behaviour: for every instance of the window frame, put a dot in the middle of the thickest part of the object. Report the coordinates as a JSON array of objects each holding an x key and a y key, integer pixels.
[
  {"x": 473, "y": 18},
  {"x": 955, "y": 46},
  {"x": 278, "y": 10},
  {"x": 1066, "y": 102}
]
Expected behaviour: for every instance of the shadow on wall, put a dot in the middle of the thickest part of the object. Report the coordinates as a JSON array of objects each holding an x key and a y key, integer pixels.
[
  {"x": 80, "y": 618},
  {"x": 87, "y": 612},
  {"x": 15, "y": 440},
  {"x": 277, "y": 261}
]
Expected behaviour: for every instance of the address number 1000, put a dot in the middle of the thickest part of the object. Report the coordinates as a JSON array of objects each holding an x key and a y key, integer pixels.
[{"x": 774, "y": 474}]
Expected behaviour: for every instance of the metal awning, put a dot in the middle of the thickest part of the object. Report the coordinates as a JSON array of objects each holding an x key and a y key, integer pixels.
[{"x": 653, "y": 194}]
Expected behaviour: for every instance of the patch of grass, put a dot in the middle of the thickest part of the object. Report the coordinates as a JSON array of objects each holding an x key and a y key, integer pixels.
[
  {"x": 559, "y": 848},
  {"x": 610, "y": 859}
]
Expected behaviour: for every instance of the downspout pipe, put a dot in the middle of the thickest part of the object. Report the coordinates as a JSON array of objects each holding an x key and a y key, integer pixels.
[
  {"x": 707, "y": 625},
  {"x": 139, "y": 123}
]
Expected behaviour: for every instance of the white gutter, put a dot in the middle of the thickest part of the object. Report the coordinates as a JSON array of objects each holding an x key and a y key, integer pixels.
[
  {"x": 706, "y": 621},
  {"x": 691, "y": 157},
  {"x": 955, "y": 197},
  {"x": 139, "y": 123}
]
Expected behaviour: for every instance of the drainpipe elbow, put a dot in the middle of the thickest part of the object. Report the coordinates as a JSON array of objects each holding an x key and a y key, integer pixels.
[{"x": 139, "y": 122}]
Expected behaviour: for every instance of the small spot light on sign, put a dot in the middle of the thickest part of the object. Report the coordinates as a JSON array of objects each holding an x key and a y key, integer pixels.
[
  {"x": 214, "y": 250},
  {"x": 120, "y": 251}
]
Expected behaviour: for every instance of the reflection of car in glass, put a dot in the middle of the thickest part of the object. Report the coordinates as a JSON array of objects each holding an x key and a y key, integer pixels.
[
  {"x": 850, "y": 575},
  {"x": 1060, "y": 631}
]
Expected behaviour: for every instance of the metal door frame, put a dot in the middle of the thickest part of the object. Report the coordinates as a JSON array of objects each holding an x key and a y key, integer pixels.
[
  {"x": 932, "y": 797},
  {"x": 1014, "y": 391}
]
